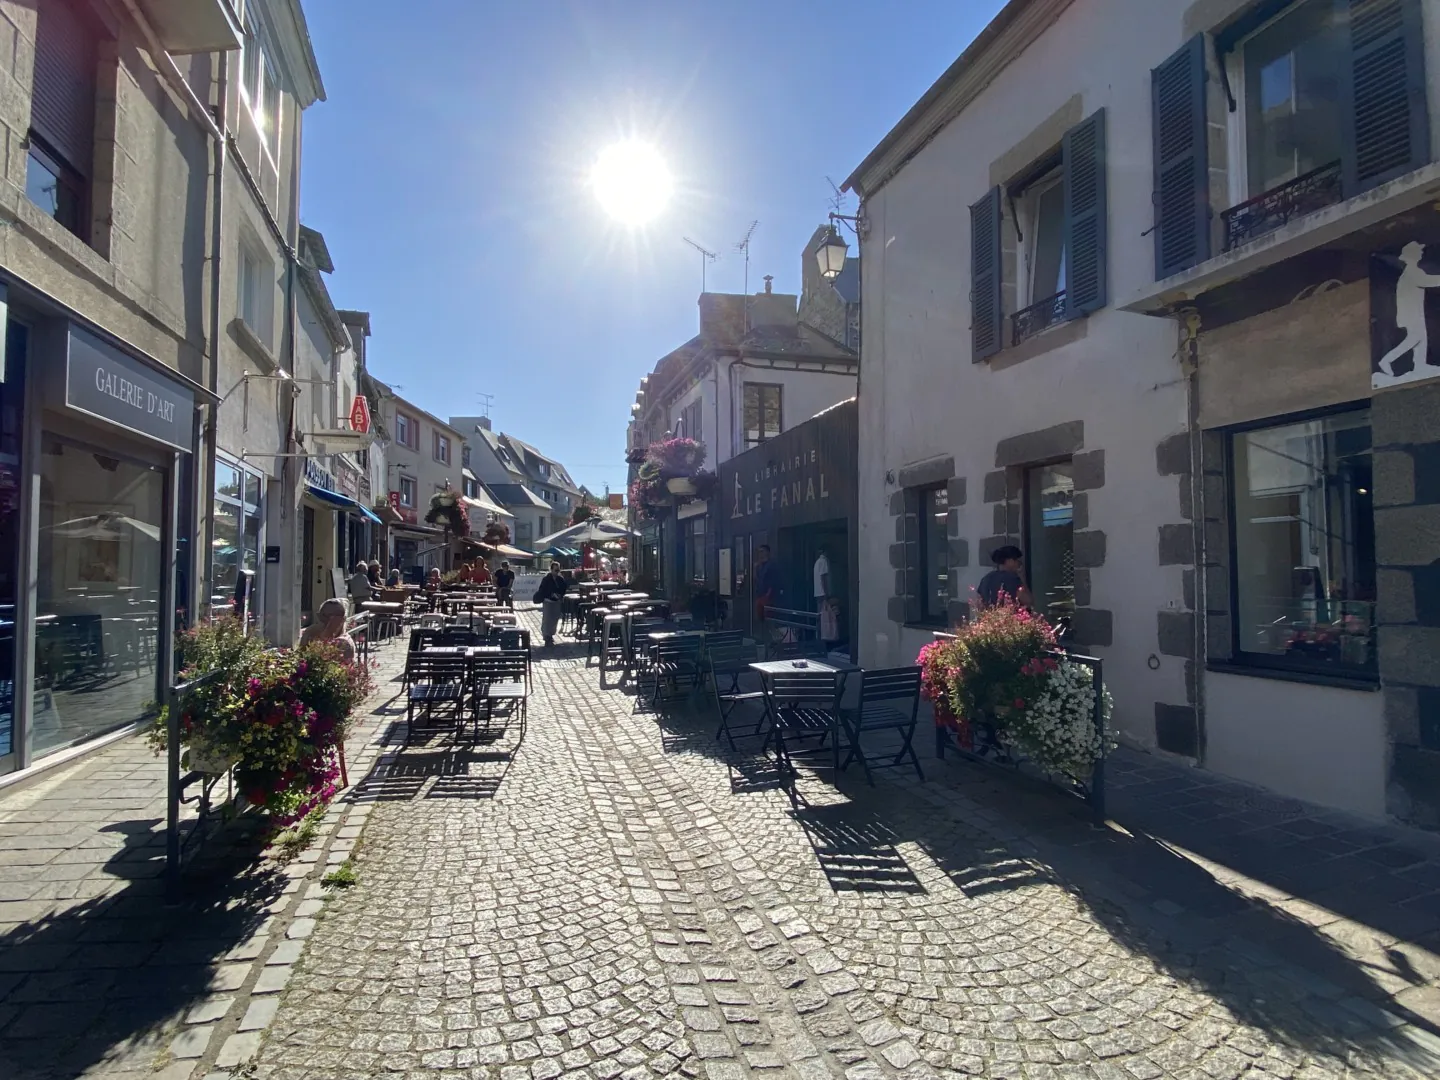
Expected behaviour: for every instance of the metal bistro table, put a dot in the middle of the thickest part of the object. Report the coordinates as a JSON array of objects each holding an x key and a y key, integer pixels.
[{"x": 768, "y": 669}]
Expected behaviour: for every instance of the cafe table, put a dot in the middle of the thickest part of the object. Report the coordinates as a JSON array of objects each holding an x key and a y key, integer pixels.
[
  {"x": 462, "y": 650},
  {"x": 768, "y": 669}
]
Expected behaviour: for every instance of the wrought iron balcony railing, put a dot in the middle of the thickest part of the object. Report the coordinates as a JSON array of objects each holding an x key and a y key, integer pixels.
[
  {"x": 1265, "y": 213},
  {"x": 1027, "y": 322}
]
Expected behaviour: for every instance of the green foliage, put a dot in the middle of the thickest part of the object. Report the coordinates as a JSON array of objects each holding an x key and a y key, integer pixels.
[{"x": 342, "y": 877}]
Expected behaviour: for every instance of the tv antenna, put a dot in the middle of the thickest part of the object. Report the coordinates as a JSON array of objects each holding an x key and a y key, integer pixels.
[
  {"x": 486, "y": 400},
  {"x": 743, "y": 246},
  {"x": 837, "y": 197},
  {"x": 706, "y": 256}
]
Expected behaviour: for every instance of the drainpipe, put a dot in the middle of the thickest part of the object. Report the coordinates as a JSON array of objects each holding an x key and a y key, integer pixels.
[
  {"x": 292, "y": 258},
  {"x": 1190, "y": 368}
]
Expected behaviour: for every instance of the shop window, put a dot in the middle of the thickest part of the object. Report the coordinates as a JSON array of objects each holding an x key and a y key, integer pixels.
[
  {"x": 98, "y": 576},
  {"x": 1050, "y": 539},
  {"x": 408, "y": 492},
  {"x": 62, "y": 113},
  {"x": 934, "y": 554},
  {"x": 1304, "y": 544},
  {"x": 762, "y": 412},
  {"x": 12, "y": 398},
  {"x": 695, "y": 554}
]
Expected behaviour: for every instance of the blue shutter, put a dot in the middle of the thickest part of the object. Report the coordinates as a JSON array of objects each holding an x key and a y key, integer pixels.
[
  {"x": 986, "y": 315},
  {"x": 1182, "y": 166},
  {"x": 1387, "y": 125},
  {"x": 1086, "y": 218}
]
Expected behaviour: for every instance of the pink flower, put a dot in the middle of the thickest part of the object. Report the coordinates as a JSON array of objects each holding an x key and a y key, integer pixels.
[{"x": 1018, "y": 703}]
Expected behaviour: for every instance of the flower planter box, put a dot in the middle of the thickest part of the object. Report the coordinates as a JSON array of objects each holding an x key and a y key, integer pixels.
[
  {"x": 680, "y": 485},
  {"x": 205, "y": 759}
]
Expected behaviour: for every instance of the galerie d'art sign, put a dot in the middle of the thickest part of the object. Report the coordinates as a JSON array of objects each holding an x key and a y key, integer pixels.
[
  {"x": 104, "y": 382},
  {"x": 1404, "y": 315}
]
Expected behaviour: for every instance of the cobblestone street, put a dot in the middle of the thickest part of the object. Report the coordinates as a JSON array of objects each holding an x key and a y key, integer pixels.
[{"x": 618, "y": 901}]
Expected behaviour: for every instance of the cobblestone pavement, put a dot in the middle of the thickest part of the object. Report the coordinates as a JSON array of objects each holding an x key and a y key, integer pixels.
[{"x": 612, "y": 897}]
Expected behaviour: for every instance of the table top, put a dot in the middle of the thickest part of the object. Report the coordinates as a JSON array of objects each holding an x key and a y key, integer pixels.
[
  {"x": 782, "y": 667},
  {"x": 382, "y": 605},
  {"x": 661, "y": 635},
  {"x": 462, "y": 650}
]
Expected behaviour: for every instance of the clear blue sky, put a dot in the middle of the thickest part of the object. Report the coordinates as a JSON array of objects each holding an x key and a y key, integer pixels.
[{"x": 448, "y": 173}]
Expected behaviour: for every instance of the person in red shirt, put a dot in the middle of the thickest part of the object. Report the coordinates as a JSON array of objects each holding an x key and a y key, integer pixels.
[{"x": 481, "y": 573}]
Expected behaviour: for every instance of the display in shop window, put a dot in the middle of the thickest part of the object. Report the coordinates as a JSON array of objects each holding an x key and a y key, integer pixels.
[{"x": 1405, "y": 315}]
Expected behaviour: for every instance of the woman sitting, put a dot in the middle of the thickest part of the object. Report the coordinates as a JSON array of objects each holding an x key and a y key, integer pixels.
[{"x": 329, "y": 628}]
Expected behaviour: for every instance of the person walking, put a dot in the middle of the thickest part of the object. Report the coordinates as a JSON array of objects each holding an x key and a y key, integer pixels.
[
  {"x": 505, "y": 584},
  {"x": 552, "y": 588},
  {"x": 359, "y": 586}
]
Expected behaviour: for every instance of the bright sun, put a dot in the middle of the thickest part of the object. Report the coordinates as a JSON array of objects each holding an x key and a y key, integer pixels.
[{"x": 631, "y": 181}]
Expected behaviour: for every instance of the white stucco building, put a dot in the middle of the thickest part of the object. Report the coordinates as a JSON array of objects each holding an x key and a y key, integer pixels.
[{"x": 1143, "y": 354}]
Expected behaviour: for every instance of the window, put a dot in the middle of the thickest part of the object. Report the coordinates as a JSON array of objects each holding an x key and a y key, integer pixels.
[
  {"x": 762, "y": 412},
  {"x": 1050, "y": 538},
  {"x": 934, "y": 554},
  {"x": 540, "y": 524},
  {"x": 524, "y": 535},
  {"x": 256, "y": 291},
  {"x": 409, "y": 492},
  {"x": 442, "y": 448},
  {"x": 688, "y": 423},
  {"x": 62, "y": 113},
  {"x": 695, "y": 549},
  {"x": 259, "y": 85},
  {"x": 1293, "y": 116},
  {"x": 407, "y": 431},
  {"x": 1041, "y": 207},
  {"x": 237, "y": 529},
  {"x": 1304, "y": 544}
]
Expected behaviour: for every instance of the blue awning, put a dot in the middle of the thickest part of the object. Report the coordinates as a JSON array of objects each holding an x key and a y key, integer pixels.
[{"x": 342, "y": 501}]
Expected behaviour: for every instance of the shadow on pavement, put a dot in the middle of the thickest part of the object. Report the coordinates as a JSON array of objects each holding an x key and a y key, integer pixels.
[{"x": 104, "y": 980}]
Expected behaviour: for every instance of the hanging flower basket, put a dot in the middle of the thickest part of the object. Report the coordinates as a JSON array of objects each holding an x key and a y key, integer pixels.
[
  {"x": 448, "y": 511},
  {"x": 680, "y": 485},
  {"x": 205, "y": 758}
]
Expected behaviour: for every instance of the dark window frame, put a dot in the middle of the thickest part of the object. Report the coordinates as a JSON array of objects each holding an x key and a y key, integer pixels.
[
  {"x": 1027, "y": 537},
  {"x": 66, "y": 176},
  {"x": 926, "y": 617},
  {"x": 1262, "y": 664},
  {"x": 760, "y": 388}
]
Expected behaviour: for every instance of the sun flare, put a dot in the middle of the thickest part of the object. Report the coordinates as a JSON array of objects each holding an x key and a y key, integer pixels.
[{"x": 631, "y": 182}]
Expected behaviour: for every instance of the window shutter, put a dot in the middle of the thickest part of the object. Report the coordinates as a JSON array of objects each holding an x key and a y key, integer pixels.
[
  {"x": 62, "y": 103},
  {"x": 986, "y": 317},
  {"x": 1182, "y": 167},
  {"x": 1387, "y": 125},
  {"x": 1086, "y": 218}
]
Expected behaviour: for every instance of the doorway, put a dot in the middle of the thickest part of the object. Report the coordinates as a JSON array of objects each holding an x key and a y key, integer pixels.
[
  {"x": 1050, "y": 539},
  {"x": 799, "y": 549},
  {"x": 307, "y": 560}
]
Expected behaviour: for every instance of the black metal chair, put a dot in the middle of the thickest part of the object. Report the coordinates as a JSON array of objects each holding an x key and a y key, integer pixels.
[
  {"x": 803, "y": 704},
  {"x": 498, "y": 682},
  {"x": 673, "y": 659},
  {"x": 419, "y": 640},
  {"x": 515, "y": 640},
  {"x": 435, "y": 682},
  {"x": 729, "y": 660},
  {"x": 889, "y": 701}
]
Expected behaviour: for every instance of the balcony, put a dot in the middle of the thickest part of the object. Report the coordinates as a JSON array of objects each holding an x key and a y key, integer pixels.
[
  {"x": 1028, "y": 322},
  {"x": 1267, "y": 212}
]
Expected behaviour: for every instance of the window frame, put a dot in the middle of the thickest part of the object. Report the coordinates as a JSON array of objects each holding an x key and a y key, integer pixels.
[
  {"x": 697, "y": 553},
  {"x": 1028, "y": 540},
  {"x": 1024, "y": 197},
  {"x": 760, "y": 388},
  {"x": 66, "y": 176},
  {"x": 442, "y": 447},
  {"x": 254, "y": 285},
  {"x": 410, "y": 437},
  {"x": 262, "y": 99},
  {"x": 1237, "y": 135},
  {"x": 1280, "y": 666},
  {"x": 412, "y": 485},
  {"x": 922, "y": 555},
  {"x": 247, "y": 510}
]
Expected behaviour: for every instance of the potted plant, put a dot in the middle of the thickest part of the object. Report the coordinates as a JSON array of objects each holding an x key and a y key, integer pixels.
[
  {"x": 678, "y": 460},
  {"x": 446, "y": 509}
]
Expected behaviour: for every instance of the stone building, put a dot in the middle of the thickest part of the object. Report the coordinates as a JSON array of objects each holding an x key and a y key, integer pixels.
[{"x": 1162, "y": 352}]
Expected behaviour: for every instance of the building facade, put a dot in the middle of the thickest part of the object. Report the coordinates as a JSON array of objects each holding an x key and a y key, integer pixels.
[
  {"x": 424, "y": 455},
  {"x": 1190, "y": 389}
]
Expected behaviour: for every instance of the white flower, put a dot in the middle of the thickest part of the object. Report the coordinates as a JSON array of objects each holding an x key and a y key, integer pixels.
[{"x": 1056, "y": 730}]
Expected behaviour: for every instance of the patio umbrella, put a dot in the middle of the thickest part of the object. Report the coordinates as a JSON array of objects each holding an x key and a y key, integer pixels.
[{"x": 589, "y": 531}]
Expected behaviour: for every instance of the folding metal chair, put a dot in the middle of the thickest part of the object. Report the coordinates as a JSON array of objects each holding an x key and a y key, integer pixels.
[
  {"x": 673, "y": 659},
  {"x": 515, "y": 640},
  {"x": 882, "y": 707},
  {"x": 435, "y": 681},
  {"x": 726, "y": 659},
  {"x": 803, "y": 704},
  {"x": 498, "y": 682}
]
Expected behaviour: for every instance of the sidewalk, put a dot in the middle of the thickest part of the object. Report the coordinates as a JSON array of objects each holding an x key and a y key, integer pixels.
[{"x": 98, "y": 974}]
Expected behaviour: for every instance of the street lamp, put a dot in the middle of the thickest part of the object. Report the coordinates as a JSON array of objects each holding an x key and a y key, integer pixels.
[{"x": 831, "y": 254}]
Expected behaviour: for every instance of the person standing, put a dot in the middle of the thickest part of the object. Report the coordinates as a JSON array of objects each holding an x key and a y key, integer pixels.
[
  {"x": 767, "y": 582},
  {"x": 1003, "y": 585},
  {"x": 505, "y": 584},
  {"x": 552, "y": 588},
  {"x": 825, "y": 603},
  {"x": 359, "y": 586}
]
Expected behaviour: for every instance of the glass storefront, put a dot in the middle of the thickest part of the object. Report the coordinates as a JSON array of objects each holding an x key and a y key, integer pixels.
[
  {"x": 238, "y": 531},
  {"x": 99, "y": 566},
  {"x": 12, "y": 430}
]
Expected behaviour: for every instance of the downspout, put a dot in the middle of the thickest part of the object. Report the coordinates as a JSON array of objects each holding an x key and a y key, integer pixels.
[
  {"x": 290, "y": 443},
  {"x": 1190, "y": 367},
  {"x": 205, "y": 477}
]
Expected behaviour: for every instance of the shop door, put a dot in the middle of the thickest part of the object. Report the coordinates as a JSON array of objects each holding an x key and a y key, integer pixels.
[
  {"x": 307, "y": 560},
  {"x": 12, "y": 416}
]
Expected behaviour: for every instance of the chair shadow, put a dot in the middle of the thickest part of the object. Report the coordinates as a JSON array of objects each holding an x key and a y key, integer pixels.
[
  {"x": 856, "y": 850},
  {"x": 436, "y": 764},
  {"x": 105, "y": 981}
]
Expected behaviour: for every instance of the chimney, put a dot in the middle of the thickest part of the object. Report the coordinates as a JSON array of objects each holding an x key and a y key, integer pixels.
[
  {"x": 768, "y": 279},
  {"x": 485, "y": 423},
  {"x": 617, "y": 501}
]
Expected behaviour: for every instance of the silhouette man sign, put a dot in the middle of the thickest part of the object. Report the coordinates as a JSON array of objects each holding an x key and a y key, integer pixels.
[{"x": 1405, "y": 316}]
